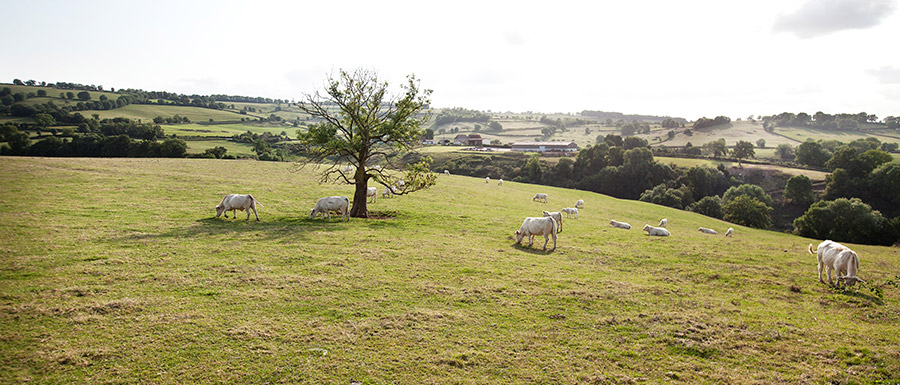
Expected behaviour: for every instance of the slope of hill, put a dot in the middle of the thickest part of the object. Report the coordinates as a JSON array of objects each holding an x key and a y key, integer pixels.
[{"x": 116, "y": 271}]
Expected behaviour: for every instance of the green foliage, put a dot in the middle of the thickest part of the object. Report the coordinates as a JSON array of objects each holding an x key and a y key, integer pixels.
[
  {"x": 811, "y": 154},
  {"x": 710, "y": 206},
  {"x": 884, "y": 182},
  {"x": 750, "y": 190},
  {"x": 44, "y": 120},
  {"x": 784, "y": 151},
  {"x": 706, "y": 122},
  {"x": 634, "y": 142},
  {"x": 716, "y": 147},
  {"x": 663, "y": 195},
  {"x": 367, "y": 125},
  {"x": 742, "y": 150},
  {"x": 217, "y": 152},
  {"x": 847, "y": 220},
  {"x": 799, "y": 190},
  {"x": 495, "y": 126},
  {"x": 748, "y": 211}
]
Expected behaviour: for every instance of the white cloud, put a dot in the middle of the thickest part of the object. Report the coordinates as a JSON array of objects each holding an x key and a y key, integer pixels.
[
  {"x": 886, "y": 74},
  {"x": 822, "y": 17}
]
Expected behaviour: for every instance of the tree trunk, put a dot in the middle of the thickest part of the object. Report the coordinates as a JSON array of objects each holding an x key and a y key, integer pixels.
[{"x": 359, "y": 209}]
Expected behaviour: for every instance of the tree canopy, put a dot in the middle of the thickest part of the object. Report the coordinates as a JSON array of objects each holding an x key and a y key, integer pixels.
[{"x": 361, "y": 124}]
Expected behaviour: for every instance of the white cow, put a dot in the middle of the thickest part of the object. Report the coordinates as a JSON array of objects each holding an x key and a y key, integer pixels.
[
  {"x": 663, "y": 222},
  {"x": 621, "y": 225},
  {"x": 579, "y": 204},
  {"x": 326, "y": 205},
  {"x": 730, "y": 232},
  {"x": 446, "y": 172},
  {"x": 540, "y": 197},
  {"x": 371, "y": 193},
  {"x": 570, "y": 210},
  {"x": 235, "y": 202},
  {"x": 387, "y": 193},
  {"x": 348, "y": 169},
  {"x": 531, "y": 226},
  {"x": 836, "y": 257},
  {"x": 400, "y": 183},
  {"x": 487, "y": 179},
  {"x": 707, "y": 231},
  {"x": 500, "y": 183},
  {"x": 656, "y": 231},
  {"x": 556, "y": 215}
]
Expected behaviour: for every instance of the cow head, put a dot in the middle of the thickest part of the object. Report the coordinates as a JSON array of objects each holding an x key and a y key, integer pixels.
[{"x": 219, "y": 210}]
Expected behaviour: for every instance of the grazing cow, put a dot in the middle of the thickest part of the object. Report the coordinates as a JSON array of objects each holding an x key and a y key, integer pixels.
[
  {"x": 730, "y": 232},
  {"x": 556, "y": 215},
  {"x": 540, "y": 197},
  {"x": 487, "y": 179},
  {"x": 236, "y": 202},
  {"x": 400, "y": 183},
  {"x": 656, "y": 231},
  {"x": 371, "y": 193},
  {"x": 500, "y": 183},
  {"x": 707, "y": 231},
  {"x": 546, "y": 226},
  {"x": 579, "y": 204},
  {"x": 663, "y": 222},
  {"x": 570, "y": 210},
  {"x": 387, "y": 193},
  {"x": 348, "y": 169},
  {"x": 326, "y": 205},
  {"x": 446, "y": 172},
  {"x": 621, "y": 225},
  {"x": 836, "y": 257}
]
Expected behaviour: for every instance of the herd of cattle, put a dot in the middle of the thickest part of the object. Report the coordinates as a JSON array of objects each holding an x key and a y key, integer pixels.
[{"x": 831, "y": 256}]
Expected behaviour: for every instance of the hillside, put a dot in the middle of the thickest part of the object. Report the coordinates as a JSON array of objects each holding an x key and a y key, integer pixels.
[{"x": 116, "y": 271}]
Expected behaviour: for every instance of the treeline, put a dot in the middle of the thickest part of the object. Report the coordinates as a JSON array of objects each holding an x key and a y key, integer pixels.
[
  {"x": 821, "y": 120},
  {"x": 707, "y": 122},
  {"x": 246, "y": 99},
  {"x": 628, "y": 117},
  {"x": 110, "y": 140},
  {"x": 458, "y": 114}
]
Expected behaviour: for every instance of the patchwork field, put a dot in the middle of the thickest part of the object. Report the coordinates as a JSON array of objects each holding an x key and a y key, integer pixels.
[
  {"x": 116, "y": 271},
  {"x": 146, "y": 113}
]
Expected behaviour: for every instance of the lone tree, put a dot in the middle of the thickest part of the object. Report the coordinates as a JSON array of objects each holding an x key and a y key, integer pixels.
[
  {"x": 742, "y": 150},
  {"x": 359, "y": 123}
]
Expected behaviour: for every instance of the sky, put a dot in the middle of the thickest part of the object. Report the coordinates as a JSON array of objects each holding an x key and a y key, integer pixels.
[{"x": 678, "y": 58}]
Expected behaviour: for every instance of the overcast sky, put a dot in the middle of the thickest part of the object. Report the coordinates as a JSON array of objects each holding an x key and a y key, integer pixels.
[{"x": 677, "y": 58}]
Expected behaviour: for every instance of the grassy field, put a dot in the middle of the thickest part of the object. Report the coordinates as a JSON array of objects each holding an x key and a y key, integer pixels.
[
  {"x": 53, "y": 94},
  {"x": 690, "y": 162},
  {"x": 802, "y": 134},
  {"x": 234, "y": 148},
  {"x": 116, "y": 271},
  {"x": 225, "y": 129},
  {"x": 146, "y": 113}
]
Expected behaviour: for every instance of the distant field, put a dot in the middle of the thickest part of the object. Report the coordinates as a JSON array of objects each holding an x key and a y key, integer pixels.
[
  {"x": 742, "y": 130},
  {"x": 146, "y": 113},
  {"x": 689, "y": 162},
  {"x": 53, "y": 93},
  {"x": 234, "y": 148},
  {"x": 802, "y": 134},
  {"x": 116, "y": 271},
  {"x": 225, "y": 129}
]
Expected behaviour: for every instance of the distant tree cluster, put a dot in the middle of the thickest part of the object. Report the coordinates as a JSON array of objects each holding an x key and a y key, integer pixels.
[
  {"x": 706, "y": 122},
  {"x": 458, "y": 114},
  {"x": 90, "y": 145},
  {"x": 612, "y": 116},
  {"x": 821, "y": 120}
]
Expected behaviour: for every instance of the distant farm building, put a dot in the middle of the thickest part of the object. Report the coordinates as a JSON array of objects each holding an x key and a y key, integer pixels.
[
  {"x": 468, "y": 140},
  {"x": 545, "y": 147}
]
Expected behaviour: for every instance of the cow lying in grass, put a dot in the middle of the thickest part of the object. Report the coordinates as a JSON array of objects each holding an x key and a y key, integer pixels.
[
  {"x": 656, "y": 231},
  {"x": 839, "y": 258}
]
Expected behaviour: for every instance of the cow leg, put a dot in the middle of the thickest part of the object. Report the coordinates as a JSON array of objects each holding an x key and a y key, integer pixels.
[
  {"x": 829, "y": 269},
  {"x": 546, "y": 239},
  {"x": 554, "y": 242},
  {"x": 254, "y": 213},
  {"x": 820, "y": 272},
  {"x": 530, "y": 240}
]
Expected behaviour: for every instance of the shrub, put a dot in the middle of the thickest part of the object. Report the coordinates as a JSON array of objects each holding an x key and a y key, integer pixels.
[
  {"x": 665, "y": 196},
  {"x": 750, "y": 190},
  {"x": 847, "y": 220},
  {"x": 798, "y": 190},
  {"x": 748, "y": 211},
  {"x": 710, "y": 206}
]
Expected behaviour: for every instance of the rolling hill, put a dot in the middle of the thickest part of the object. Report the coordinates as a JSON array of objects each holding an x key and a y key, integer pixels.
[{"x": 117, "y": 271}]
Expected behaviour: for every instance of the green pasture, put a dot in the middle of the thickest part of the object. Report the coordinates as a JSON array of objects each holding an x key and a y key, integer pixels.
[
  {"x": 234, "y": 148},
  {"x": 146, "y": 113},
  {"x": 691, "y": 162},
  {"x": 53, "y": 94},
  {"x": 117, "y": 271},
  {"x": 228, "y": 130},
  {"x": 802, "y": 134},
  {"x": 732, "y": 133}
]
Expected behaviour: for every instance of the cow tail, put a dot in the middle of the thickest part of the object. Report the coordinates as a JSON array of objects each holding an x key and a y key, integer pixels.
[
  {"x": 810, "y": 249},
  {"x": 254, "y": 199}
]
